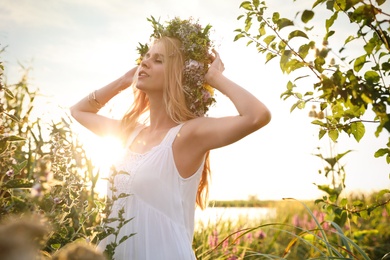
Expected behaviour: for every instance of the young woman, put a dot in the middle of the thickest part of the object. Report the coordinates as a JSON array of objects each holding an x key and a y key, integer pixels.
[{"x": 166, "y": 163}]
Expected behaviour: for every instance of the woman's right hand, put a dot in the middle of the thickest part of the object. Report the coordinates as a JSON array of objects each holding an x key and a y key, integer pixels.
[
  {"x": 86, "y": 113},
  {"x": 128, "y": 78}
]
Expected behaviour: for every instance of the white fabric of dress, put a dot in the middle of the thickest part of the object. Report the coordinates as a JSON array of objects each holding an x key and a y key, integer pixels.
[{"x": 160, "y": 201}]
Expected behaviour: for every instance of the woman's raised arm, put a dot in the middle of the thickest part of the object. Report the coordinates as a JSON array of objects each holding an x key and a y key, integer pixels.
[
  {"x": 211, "y": 133},
  {"x": 85, "y": 111}
]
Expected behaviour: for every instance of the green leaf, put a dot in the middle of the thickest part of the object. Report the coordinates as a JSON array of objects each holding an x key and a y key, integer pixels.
[
  {"x": 12, "y": 117},
  {"x": 328, "y": 34},
  {"x": 358, "y": 130},
  {"x": 3, "y": 146},
  {"x": 371, "y": 76},
  {"x": 318, "y": 62},
  {"x": 289, "y": 85},
  {"x": 284, "y": 22},
  {"x": 248, "y": 24},
  {"x": 369, "y": 46},
  {"x": 333, "y": 134},
  {"x": 269, "y": 39},
  {"x": 329, "y": 22},
  {"x": 381, "y": 152},
  {"x": 275, "y": 17},
  {"x": 15, "y": 138},
  {"x": 19, "y": 167},
  {"x": 343, "y": 202},
  {"x": 382, "y": 193},
  {"x": 262, "y": 29},
  {"x": 297, "y": 33},
  {"x": 238, "y": 36},
  {"x": 304, "y": 50},
  {"x": 284, "y": 59},
  {"x": 269, "y": 57},
  {"x": 246, "y": 5},
  {"x": 329, "y": 5},
  {"x": 293, "y": 64},
  {"x": 321, "y": 133},
  {"x": 55, "y": 246},
  {"x": 366, "y": 98},
  {"x": 358, "y": 203},
  {"x": 349, "y": 39},
  {"x": 307, "y": 15},
  {"x": 9, "y": 93},
  {"x": 386, "y": 66},
  {"x": 17, "y": 184},
  {"x": 301, "y": 77},
  {"x": 318, "y": 122},
  {"x": 380, "y": 2},
  {"x": 318, "y": 2},
  {"x": 359, "y": 63}
]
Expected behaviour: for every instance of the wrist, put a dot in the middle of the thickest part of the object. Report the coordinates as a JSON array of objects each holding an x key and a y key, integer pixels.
[
  {"x": 212, "y": 77},
  {"x": 127, "y": 79}
]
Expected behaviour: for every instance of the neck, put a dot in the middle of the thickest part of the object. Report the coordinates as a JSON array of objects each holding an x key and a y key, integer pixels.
[{"x": 159, "y": 118}]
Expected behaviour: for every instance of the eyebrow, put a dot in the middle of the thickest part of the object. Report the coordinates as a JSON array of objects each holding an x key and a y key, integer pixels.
[{"x": 156, "y": 55}]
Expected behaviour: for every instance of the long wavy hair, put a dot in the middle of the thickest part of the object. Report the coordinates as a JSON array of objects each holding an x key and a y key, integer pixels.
[{"x": 175, "y": 103}]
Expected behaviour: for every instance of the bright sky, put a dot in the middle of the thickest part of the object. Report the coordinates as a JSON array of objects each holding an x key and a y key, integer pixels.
[{"x": 74, "y": 47}]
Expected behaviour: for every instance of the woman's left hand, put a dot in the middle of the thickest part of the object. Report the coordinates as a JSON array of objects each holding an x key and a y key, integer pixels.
[{"x": 216, "y": 67}]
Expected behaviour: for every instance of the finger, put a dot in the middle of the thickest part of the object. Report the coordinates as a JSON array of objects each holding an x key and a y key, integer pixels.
[
  {"x": 213, "y": 57},
  {"x": 216, "y": 53}
]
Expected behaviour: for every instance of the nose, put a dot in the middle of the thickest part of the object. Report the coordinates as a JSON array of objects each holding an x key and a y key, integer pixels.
[{"x": 145, "y": 62}]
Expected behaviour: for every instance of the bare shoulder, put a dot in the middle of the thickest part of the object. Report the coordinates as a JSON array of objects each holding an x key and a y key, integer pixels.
[
  {"x": 192, "y": 134},
  {"x": 192, "y": 127},
  {"x": 209, "y": 133}
]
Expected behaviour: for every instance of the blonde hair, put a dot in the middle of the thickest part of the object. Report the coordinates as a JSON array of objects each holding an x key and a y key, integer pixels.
[{"x": 175, "y": 103}]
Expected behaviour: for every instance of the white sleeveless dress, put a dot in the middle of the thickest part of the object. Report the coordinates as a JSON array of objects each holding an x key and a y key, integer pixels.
[{"x": 161, "y": 203}]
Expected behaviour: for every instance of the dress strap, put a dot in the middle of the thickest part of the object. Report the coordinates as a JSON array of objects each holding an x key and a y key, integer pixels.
[
  {"x": 133, "y": 134},
  {"x": 171, "y": 135}
]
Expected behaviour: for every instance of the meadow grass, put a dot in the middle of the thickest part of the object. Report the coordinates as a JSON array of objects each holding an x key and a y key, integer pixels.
[{"x": 297, "y": 230}]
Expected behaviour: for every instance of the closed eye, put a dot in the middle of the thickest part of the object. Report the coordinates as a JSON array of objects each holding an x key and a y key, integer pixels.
[{"x": 157, "y": 57}]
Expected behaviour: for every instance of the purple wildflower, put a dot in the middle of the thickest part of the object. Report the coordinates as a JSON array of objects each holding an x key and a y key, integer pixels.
[
  {"x": 213, "y": 238},
  {"x": 57, "y": 200},
  {"x": 10, "y": 173},
  {"x": 36, "y": 190}
]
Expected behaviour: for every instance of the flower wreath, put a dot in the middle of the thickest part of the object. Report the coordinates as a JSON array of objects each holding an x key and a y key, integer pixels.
[{"x": 195, "y": 47}]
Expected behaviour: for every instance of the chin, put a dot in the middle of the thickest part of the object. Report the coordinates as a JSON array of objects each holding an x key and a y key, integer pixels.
[{"x": 139, "y": 86}]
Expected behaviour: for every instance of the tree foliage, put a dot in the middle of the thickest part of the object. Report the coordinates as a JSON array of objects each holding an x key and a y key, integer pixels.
[
  {"x": 345, "y": 84},
  {"x": 344, "y": 56}
]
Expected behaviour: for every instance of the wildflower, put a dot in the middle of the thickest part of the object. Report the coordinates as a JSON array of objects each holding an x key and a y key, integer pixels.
[
  {"x": 209, "y": 89},
  {"x": 10, "y": 173},
  {"x": 249, "y": 238},
  {"x": 195, "y": 46},
  {"x": 296, "y": 221},
  {"x": 385, "y": 214},
  {"x": 225, "y": 245},
  {"x": 261, "y": 235},
  {"x": 36, "y": 190},
  {"x": 57, "y": 200},
  {"x": 206, "y": 95},
  {"x": 213, "y": 238}
]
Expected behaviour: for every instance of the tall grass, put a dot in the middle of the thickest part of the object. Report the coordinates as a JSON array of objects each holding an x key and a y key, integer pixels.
[{"x": 298, "y": 231}]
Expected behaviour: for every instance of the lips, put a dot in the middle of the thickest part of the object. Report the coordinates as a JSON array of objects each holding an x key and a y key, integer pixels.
[{"x": 142, "y": 74}]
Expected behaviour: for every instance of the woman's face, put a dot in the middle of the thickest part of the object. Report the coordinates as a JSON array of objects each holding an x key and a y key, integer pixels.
[{"x": 151, "y": 74}]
